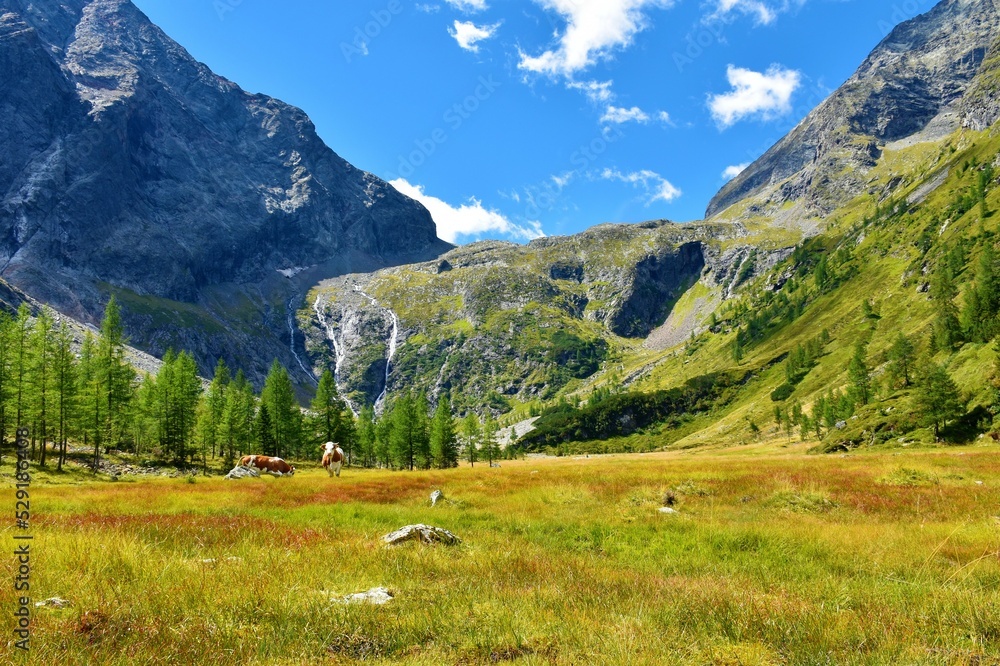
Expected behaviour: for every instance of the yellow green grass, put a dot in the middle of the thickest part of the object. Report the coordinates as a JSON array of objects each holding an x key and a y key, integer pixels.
[{"x": 774, "y": 557}]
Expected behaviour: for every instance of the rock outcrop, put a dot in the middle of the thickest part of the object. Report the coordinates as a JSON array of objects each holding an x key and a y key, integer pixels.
[{"x": 421, "y": 533}]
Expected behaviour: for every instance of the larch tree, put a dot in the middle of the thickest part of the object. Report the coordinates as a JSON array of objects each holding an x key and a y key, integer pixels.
[
  {"x": 937, "y": 397},
  {"x": 471, "y": 433},
  {"x": 444, "y": 443},
  {"x": 65, "y": 385},
  {"x": 859, "y": 375},
  {"x": 901, "y": 357},
  {"x": 286, "y": 417}
]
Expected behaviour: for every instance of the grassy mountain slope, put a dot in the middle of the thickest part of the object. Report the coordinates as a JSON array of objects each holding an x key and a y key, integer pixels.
[{"x": 502, "y": 326}]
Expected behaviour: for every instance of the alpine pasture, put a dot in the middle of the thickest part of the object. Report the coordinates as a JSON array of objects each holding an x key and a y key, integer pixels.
[{"x": 771, "y": 556}]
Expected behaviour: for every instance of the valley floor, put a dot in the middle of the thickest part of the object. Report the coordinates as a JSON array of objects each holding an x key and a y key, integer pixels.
[{"x": 770, "y": 556}]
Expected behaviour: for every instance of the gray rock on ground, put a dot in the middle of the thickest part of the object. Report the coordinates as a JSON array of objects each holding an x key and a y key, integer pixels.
[
  {"x": 239, "y": 472},
  {"x": 378, "y": 596},
  {"x": 436, "y": 496},
  {"x": 54, "y": 602},
  {"x": 422, "y": 533}
]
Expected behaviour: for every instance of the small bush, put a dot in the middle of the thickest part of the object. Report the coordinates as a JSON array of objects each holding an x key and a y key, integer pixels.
[
  {"x": 782, "y": 393},
  {"x": 905, "y": 476}
]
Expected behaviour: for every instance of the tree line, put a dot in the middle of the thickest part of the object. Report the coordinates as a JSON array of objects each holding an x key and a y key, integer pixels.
[{"x": 90, "y": 394}]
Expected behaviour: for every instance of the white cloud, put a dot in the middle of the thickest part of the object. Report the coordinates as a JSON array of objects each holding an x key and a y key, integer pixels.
[
  {"x": 617, "y": 115},
  {"x": 735, "y": 170},
  {"x": 471, "y": 219},
  {"x": 598, "y": 92},
  {"x": 763, "y": 11},
  {"x": 468, "y": 34},
  {"x": 663, "y": 117},
  {"x": 564, "y": 180},
  {"x": 468, "y": 5},
  {"x": 765, "y": 95},
  {"x": 656, "y": 186},
  {"x": 594, "y": 28}
]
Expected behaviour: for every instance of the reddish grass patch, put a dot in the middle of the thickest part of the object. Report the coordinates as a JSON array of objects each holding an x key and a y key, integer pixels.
[{"x": 202, "y": 529}]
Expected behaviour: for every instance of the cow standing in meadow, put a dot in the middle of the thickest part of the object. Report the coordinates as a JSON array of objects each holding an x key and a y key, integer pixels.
[
  {"x": 268, "y": 465},
  {"x": 333, "y": 458}
]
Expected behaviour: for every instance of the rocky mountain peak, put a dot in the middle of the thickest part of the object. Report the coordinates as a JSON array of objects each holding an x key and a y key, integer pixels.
[
  {"x": 131, "y": 168},
  {"x": 914, "y": 80}
]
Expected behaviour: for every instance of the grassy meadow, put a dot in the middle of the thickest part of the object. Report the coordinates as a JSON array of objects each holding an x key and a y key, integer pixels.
[{"x": 773, "y": 557}]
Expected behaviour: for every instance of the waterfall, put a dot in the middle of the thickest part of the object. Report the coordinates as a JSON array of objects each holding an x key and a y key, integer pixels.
[
  {"x": 339, "y": 351},
  {"x": 393, "y": 342}
]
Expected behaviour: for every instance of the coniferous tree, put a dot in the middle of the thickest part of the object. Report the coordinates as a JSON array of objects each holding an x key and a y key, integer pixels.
[
  {"x": 20, "y": 336},
  {"x": 982, "y": 300},
  {"x": 444, "y": 443},
  {"x": 367, "y": 440},
  {"x": 383, "y": 441},
  {"x": 91, "y": 397},
  {"x": 40, "y": 378},
  {"x": 65, "y": 389},
  {"x": 264, "y": 431},
  {"x": 236, "y": 426},
  {"x": 404, "y": 438},
  {"x": 422, "y": 443},
  {"x": 115, "y": 375},
  {"x": 488, "y": 439},
  {"x": 937, "y": 398},
  {"x": 822, "y": 274},
  {"x": 162, "y": 405},
  {"x": 186, "y": 392},
  {"x": 286, "y": 417},
  {"x": 6, "y": 331},
  {"x": 859, "y": 375},
  {"x": 211, "y": 409},
  {"x": 901, "y": 356},
  {"x": 471, "y": 434},
  {"x": 947, "y": 327},
  {"x": 146, "y": 422}
]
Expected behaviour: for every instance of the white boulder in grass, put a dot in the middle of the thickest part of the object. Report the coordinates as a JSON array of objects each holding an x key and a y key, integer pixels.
[
  {"x": 378, "y": 596},
  {"x": 240, "y": 472},
  {"x": 422, "y": 533}
]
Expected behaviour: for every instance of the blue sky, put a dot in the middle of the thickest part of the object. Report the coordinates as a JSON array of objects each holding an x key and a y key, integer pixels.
[{"x": 517, "y": 118}]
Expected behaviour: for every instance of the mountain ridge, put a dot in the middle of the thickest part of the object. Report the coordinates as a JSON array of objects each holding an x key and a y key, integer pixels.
[{"x": 913, "y": 76}]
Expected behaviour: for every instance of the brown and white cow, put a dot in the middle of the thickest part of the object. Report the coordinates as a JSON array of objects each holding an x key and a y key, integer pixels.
[
  {"x": 333, "y": 458},
  {"x": 268, "y": 465}
]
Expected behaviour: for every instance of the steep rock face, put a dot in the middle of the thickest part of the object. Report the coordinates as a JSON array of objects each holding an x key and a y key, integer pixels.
[
  {"x": 981, "y": 104},
  {"x": 130, "y": 166},
  {"x": 658, "y": 281},
  {"x": 916, "y": 75}
]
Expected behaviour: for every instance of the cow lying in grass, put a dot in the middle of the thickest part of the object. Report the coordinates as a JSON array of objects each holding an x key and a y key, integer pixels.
[
  {"x": 268, "y": 465},
  {"x": 333, "y": 458}
]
